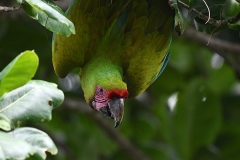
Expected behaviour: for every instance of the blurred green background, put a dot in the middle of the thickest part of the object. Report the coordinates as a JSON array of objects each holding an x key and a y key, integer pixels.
[{"x": 191, "y": 112}]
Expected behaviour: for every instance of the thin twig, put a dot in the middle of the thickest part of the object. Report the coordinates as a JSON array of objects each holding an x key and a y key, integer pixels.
[
  {"x": 204, "y": 17},
  {"x": 8, "y": 9},
  {"x": 209, "y": 12},
  {"x": 124, "y": 144}
]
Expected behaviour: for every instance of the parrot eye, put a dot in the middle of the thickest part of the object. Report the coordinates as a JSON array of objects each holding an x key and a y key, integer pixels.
[{"x": 99, "y": 89}]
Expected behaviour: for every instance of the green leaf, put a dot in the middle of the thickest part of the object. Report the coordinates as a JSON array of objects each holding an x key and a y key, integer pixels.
[
  {"x": 228, "y": 141},
  {"x": 25, "y": 142},
  {"x": 5, "y": 123},
  {"x": 13, "y": 148},
  {"x": 215, "y": 7},
  {"x": 196, "y": 120},
  {"x": 32, "y": 102},
  {"x": 39, "y": 140},
  {"x": 179, "y": 20},
  {"x": 30, "y": 11},
  {"x": 235, "y": 25},
  {"x": 220, "y": 86},
  {"x": 231, "y": 9},
  {"x": 49, "y": 15},
  {"x": 18, "y": 72},
  {"x": 1, "y": 153}
]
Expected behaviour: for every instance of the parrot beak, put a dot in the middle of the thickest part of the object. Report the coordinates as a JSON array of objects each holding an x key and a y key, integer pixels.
[
  {"x": 114, "y": 110},
  {"x": 116, "y": 107}
]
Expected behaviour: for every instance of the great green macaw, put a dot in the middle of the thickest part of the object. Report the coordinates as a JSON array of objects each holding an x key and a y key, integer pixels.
[{"x": 121, "y": 47}]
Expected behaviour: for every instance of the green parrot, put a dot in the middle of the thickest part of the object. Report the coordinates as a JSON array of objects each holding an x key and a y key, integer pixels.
[{"x": 120, "y": 46}]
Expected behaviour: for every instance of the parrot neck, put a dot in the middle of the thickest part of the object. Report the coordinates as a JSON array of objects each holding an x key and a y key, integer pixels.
[{"x": 101, "y": 71}]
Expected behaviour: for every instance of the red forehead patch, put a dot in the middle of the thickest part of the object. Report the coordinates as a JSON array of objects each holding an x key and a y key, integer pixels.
[{"x": 115, "y": 93}]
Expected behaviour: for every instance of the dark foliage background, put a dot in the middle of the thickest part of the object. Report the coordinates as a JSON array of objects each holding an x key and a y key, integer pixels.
[{"x": 191, "y": 112}]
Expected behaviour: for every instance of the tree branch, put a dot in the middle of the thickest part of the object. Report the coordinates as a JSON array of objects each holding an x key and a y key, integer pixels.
[
  {"x": 214, "y": 43},
  {"x": 124, "y": 144},
  {"x": 211, "y": 21},
  {"x": 229, "y": 51},
  {"x": 8, "y": 9}
]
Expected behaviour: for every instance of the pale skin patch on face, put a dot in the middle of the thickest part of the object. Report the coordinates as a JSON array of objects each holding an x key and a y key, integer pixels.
[
  {"x": 110, "y": 103},
  {"x": 101, "y": 99},
  {"x": 103, "y": 96}
]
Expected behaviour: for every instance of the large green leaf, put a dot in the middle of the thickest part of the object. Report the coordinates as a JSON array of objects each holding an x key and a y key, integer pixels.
[
  {"x": 221, "y": 85},
  {"x": 32, "y": 102},
  {"x": 13, "y": 148},
  {"x": 18, "y": 72},
  {"x": 196, "y": 119},
  {"x": 49, "y": 15},
  {"x": 1, "y": 153},
  {"x": 25, "y": 142},
  {"x": 5, "y": 123}
]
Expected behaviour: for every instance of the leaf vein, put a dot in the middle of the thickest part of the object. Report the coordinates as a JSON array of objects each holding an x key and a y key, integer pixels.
[{"x": 25, "y": 94}]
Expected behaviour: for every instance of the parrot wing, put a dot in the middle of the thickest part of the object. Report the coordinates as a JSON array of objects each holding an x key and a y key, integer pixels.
[
  {"x": 133, "y": 34},
  {"x": 92, "y": 19},
  {"x": 146, "y": 43},
  {"x": 163, "y": 65}
]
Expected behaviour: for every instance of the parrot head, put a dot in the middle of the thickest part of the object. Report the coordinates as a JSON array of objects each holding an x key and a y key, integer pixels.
[
  {"x": 110, "y": 103},
  {"x": 104, "y": 88}
]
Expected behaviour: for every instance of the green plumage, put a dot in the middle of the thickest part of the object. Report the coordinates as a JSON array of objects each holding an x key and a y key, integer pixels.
[{"x": 119, "y": 44}]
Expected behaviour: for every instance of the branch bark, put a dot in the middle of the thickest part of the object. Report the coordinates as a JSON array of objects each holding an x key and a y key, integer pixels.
[
  {"x": 124, "y": 144},
  {"x": 214, "y": 43},
  {"x": 229, "y": 51},
  {"x": 8, "y": 9}
]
